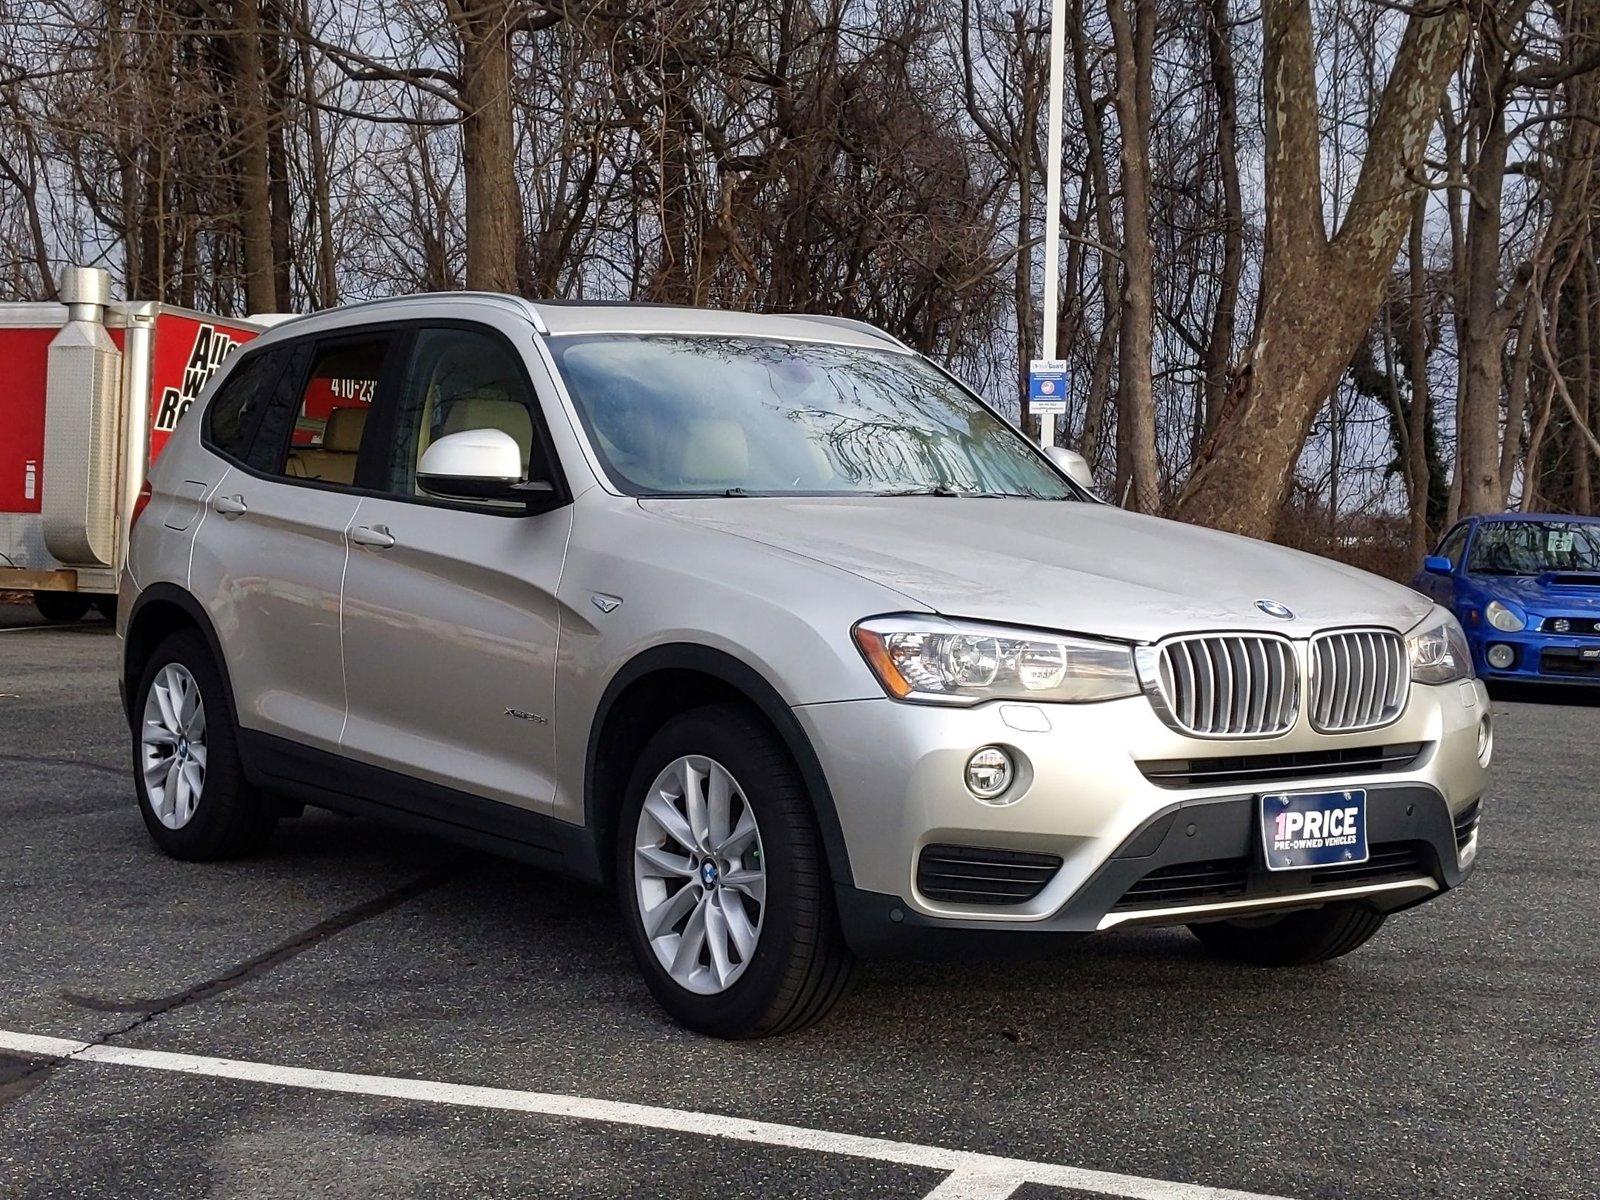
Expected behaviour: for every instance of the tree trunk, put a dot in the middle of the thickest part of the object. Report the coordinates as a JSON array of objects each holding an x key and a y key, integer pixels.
[
  {"x": 327, "y": 289},
  {"x": 1134, "y": 38},
  {"x": 1416, "y": 448},
  {"x": 275, "y": 68},
  {"x": 1483, "y": 323},
  {"x": 1318, "y": 297},
  {"x": 488, "y": 135},
  {"x": 1219, "y": 344},
  {"x": 255, "y": 185}
]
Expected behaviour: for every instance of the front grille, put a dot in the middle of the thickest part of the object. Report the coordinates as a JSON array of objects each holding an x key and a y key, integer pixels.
[
  {"x": 1227, "y": 685},
  {"x": 1183, "y": 884},
  {"x": 1467, "y": 824},
  {"x": 1261, "y": 768},
  {"x": 1553, "y": 661},
  {"x": 982, "y": 875},
  {"x": 1576, "y": 626},
  {"x": 1359, "y": 679}
]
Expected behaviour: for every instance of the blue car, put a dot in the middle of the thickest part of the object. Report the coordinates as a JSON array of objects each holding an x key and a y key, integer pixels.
[{"x": 1526, "y": 588}]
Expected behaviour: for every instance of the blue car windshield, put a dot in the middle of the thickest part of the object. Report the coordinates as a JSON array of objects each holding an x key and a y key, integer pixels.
[
  {"x": 1535, "y": 547},
  {"x": 678, "y": 415}
]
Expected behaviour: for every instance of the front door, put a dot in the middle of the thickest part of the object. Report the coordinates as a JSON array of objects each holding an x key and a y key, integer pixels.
[{"x": 450, "y": 616}]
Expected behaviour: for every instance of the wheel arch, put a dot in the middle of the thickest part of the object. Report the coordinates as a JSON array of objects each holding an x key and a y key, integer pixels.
[
  {"x": 664, "y": 680},
  {"x": 161, "y": 610}
]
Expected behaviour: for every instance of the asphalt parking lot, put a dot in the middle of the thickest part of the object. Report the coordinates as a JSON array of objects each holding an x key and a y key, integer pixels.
[{"x": 362, "y": 1012}]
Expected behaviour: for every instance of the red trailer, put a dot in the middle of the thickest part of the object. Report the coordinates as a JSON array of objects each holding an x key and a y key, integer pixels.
[{"x": 90, "y": 391}]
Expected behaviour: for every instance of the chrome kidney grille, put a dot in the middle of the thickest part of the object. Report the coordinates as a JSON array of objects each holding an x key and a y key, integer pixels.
[
  {"x": 1226, "y": 685},
  {"x": 1360, "y": 679}
]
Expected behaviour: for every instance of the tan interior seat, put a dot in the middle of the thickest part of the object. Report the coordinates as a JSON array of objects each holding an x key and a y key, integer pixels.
[{"x": 335, "y": 460}]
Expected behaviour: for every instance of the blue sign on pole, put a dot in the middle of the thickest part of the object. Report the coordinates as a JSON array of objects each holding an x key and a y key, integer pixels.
[{"x": 1047, "y": 387}]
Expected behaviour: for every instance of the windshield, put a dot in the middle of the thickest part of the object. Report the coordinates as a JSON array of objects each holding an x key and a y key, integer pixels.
[
  {"x": 1534, "y": 547},
  {"x": 679, "y": 415}
]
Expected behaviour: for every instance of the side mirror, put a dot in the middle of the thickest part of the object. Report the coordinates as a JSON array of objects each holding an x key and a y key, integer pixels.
[
  {"x": 1071, "y": 464},
  {"x": 1438, "y": 564},
  {"x": 476, "y": 464}
]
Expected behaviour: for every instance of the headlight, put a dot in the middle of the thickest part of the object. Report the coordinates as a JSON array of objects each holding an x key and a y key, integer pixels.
[
  {"x": 1438, "y": 650},
  {"x": 947, "y": 662},
  {"x": 1505, "y": 618}
]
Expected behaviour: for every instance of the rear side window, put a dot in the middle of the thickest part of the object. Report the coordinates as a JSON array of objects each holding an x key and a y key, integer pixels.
[
  {"x": 235, "y": 409},
  {"x": 331, "y": 409}
]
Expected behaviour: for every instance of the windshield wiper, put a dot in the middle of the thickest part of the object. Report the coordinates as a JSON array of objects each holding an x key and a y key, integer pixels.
[{"x": 945, "y": 490}]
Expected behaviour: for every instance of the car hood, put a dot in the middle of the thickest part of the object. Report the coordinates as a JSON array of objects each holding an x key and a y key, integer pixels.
[
  {"x": 1545, "y": 594},
  {"x": 1087, "y": 568}
]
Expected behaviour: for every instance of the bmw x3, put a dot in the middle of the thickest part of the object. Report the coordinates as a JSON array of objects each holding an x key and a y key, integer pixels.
[{"x": 774, "y": 627}]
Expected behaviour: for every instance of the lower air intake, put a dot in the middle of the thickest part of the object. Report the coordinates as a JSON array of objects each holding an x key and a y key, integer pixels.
[{"x": 980, "y": 875}]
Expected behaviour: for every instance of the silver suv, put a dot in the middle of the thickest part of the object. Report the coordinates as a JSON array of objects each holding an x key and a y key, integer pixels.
[{"x": 772, "y": 625}]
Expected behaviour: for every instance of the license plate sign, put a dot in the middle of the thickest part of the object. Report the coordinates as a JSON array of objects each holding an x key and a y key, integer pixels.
[{"x": 1314, "y": 829}]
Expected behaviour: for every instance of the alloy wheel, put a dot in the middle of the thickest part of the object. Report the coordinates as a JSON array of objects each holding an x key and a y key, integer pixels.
[
  {"x": 699, "y": 874},
  {"x": 172, "y": 744}
]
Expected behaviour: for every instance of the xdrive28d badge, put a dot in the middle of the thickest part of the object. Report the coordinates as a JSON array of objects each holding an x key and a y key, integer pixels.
[{"x": 888, "y": 679}]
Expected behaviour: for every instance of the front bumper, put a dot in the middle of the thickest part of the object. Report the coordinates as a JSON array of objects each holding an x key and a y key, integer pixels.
[
  {"x": 1538, "y": 657},
  {"x": 896, "y": 774}
]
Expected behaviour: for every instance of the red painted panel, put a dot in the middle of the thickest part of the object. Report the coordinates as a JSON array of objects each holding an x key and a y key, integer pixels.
[
  {"x": 187, "y": 353},
  {"x": 22, "y": 372}
]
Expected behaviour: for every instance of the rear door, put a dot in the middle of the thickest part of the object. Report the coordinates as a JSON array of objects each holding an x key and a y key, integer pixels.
[
  {"x": 269, "y": 555},
  {"x": 450, "y": 616}
]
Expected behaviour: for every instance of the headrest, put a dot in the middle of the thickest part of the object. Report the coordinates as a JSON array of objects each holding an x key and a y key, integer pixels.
[
  {"x": 488, "y": 411},
  {"x": 343, "y": 432},
  {"x": 715, "y": 451}
]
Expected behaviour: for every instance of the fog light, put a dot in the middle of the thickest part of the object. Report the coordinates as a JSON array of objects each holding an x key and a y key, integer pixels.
[
  {"x": 1501, "y": 656},
  {"x": 989, "y": 773},
  {"x": 1485, "y": 740}
]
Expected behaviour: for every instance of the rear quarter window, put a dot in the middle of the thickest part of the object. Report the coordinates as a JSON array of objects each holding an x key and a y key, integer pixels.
[{"x": 232, "y": 417}]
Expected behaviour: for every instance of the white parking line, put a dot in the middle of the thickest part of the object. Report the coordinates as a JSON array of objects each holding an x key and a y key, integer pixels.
[{"x": 971, "y": 1176}]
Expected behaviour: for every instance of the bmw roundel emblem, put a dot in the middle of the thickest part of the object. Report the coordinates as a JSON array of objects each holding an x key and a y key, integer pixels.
[
  {"x": 708, "y": 873},
  {"x": 1273, "y": 609}
]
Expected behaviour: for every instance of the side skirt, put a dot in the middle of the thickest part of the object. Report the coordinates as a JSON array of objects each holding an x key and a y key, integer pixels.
[{"x": 332, "y": 781}]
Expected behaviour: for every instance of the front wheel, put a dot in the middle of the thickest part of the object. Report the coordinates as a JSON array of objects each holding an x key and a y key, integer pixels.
[
  {"x": 1295, "y": 939},
  {"x": 724, "y": 884}
]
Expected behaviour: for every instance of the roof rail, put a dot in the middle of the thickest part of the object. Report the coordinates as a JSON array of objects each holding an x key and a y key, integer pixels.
[
  {"x": 523, "y": 307},
  {"x": 858, "y": 326}
]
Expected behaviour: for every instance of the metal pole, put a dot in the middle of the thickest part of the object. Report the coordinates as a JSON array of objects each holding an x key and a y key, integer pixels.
[{"x": 1052, "y": 200}]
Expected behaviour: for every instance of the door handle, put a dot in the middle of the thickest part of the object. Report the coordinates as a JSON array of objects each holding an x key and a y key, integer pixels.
[
  {"x": 230, "y": 506},
  {"x": 377, "y": 537}
]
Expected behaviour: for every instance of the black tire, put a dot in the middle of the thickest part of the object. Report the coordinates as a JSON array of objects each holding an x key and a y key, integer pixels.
[
  {"x": 61, "y": 608},
  {"x": 106, "y": 606},
  {"x": 1295, "y": 939},
  {"x": 231, "y": 818},
  {"x": 801, "y": 967}
]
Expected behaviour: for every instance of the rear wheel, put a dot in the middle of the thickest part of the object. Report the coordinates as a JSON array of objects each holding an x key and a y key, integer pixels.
[
  {"x": 1294, "y": 939},
  {"x": 724, "y": 884},
  {"x": 192, "y": 792},
  {"x": 61, "y": 608}
]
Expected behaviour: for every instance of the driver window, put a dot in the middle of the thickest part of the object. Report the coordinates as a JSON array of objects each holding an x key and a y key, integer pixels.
[
  {"x": 1453, "y": 544},
  {"x": 460, "y": 380}
]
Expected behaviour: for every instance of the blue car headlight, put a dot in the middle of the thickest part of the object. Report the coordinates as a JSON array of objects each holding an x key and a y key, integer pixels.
[
  {"x": 1505, "y": 617},
  {"x": 1438, "y": 650}
]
